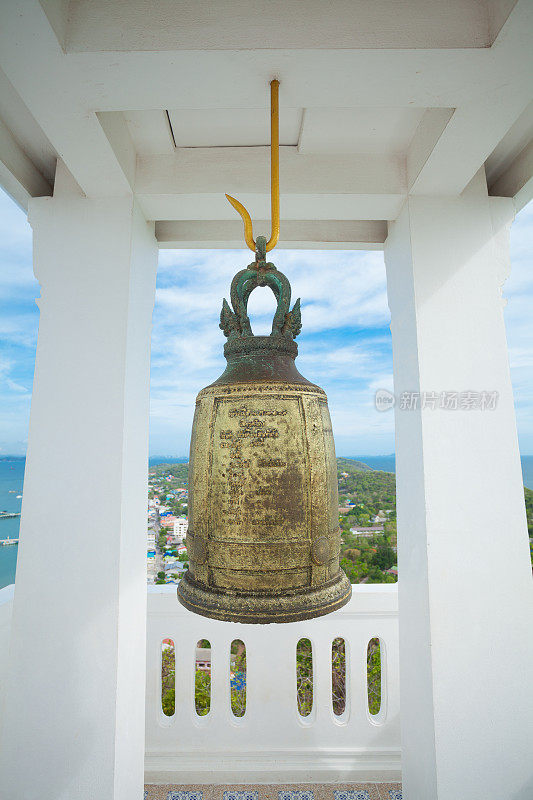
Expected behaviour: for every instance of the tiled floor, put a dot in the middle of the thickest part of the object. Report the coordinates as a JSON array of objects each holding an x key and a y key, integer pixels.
[{"x": 308, "y": 791}]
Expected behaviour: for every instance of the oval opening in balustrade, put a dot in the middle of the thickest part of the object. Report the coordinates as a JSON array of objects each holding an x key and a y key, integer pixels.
[
  {"x": 338, "y": 676},
  {"x": 304, "y": 677},
  {"x": 373, "y": 676},
  {"x": 168, "y": 677},
  {"x": 202, "y": 677},
  {"x": 237, "y": 672}
]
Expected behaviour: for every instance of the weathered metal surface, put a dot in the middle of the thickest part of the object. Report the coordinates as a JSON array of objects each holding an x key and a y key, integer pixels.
[{"x": 263, "y": 536}]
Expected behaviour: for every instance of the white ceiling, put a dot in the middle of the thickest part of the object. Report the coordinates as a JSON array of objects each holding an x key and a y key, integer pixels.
[
  {"x": 359, "y": 130},
  {"x": 385, "y": 131},
  {"x": 150, "y": 132},
  {"x": 378, "y": 101},
  {"x": 232, "y": 127}
]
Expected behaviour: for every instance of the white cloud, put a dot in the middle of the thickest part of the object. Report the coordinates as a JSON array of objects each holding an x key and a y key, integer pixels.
[{"x": 16, "y": 387}]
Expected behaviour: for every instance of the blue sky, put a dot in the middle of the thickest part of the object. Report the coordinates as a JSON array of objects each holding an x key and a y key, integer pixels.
[{"x": 345, "y": 345}]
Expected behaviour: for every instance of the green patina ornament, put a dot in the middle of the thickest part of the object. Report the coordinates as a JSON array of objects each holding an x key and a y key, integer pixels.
[{"x": 260, "y": 273}]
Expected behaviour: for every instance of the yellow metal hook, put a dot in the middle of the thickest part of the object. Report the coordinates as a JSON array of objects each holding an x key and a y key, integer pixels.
[{"x": 274, "y": 177}]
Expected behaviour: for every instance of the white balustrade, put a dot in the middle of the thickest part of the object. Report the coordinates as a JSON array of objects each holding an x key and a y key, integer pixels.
[{"x": 272, "y": 742}]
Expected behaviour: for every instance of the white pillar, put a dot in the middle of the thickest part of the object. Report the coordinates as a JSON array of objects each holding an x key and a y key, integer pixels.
[
  {"x": 465, "y": 588},
  {"x": 74, "y": 710}
]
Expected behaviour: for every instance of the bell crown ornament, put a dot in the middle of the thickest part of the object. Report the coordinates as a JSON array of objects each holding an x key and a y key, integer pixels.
[
  {"x": 243, "y": 350},
  {"x": 236, "y": 323}
]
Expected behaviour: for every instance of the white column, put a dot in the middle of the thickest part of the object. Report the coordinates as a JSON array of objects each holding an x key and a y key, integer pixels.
[
  {"x": 74, "y": 710},
  {"x": 465, "y": 588}
]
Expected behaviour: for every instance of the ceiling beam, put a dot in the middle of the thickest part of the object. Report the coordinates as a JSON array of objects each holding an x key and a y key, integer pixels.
[
  {"x": 236, "y": 26},
  {"x": 191, "y": 184},
  {"x": 517, "y": 180},
  {"x": 117, "y": 132},
  {"x": 294, "y": 207},
  {"x": 295, "y": 234},
  {"x": 247, "y": 169},
  {"x": 482, "y": 120},
  {"x": 466, "y": 142},
  {"x": 427, "y": 134},
  {"x": 18, "y": 174}
]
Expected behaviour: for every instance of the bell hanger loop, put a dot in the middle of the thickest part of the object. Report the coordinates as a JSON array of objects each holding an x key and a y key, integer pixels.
[{"x": 274, "y": 178}]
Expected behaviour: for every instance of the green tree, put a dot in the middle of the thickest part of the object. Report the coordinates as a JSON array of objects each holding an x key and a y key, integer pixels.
[
  {"x": 338, "y": 675},
  {"x": 384, "y": 557},
  {"x": 168, "y": 702},
  {"x": 168, "y": 677},
  {"x": 238, "y": 688},
  {"x": 528, "y": 497},
  {"x": 352, "y": 553},
  {"x": 304, "y": 677},
  {"x": 374, "y": 676},
  {"x": 202, "y": 692}
]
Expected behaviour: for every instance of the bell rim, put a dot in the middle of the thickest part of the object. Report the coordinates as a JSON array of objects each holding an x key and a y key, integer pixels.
[{"x": 308, "y": 603}]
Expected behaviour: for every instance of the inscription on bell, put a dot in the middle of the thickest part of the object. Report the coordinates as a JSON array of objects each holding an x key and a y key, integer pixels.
[{"x": 258, "y": 458}]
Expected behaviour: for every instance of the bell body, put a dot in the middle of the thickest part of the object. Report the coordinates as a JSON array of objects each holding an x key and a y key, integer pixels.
[{"x": 263, "y": 539}]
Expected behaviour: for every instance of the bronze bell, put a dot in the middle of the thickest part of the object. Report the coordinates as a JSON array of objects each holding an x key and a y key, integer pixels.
[{"x": 263, "y": 538}]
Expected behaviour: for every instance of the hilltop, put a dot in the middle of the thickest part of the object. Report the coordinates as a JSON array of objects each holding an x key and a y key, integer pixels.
[{"x": 350, "y": 465}]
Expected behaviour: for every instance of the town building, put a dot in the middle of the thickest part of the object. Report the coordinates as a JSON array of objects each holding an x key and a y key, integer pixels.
[
  {"x": 181, "y": 525},
  {"x": 368, "y": 530},
  {"x": 167, "y": 521}
]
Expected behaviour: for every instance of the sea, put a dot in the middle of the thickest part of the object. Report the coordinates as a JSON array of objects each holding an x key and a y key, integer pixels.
[
  {"x": 12, "y": 479},
  {"x": 11, "y": 482}
]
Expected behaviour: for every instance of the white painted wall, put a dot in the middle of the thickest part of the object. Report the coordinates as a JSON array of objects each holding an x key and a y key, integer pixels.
[
  {"x": 74, "y": 699},
  {"x": 466, "y": 597}
]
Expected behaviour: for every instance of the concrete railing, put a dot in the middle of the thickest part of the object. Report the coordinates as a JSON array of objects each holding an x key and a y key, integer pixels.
[{"x": 272, "y": 742}]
